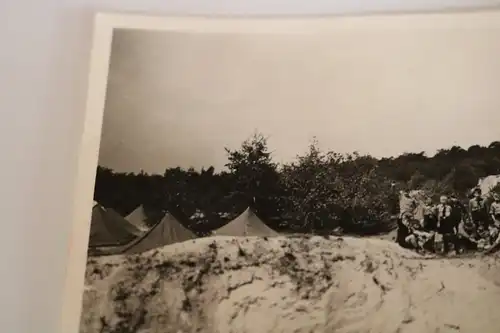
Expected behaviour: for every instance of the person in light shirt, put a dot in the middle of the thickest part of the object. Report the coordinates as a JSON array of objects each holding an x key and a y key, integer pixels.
[
  {"x": 445, "y": 223},
  {"x": 477, "y": 211},
  {"x": 430, "y": 216},
  {"x": 407, "y": 206},
  {"x": 495, "y": 210}
]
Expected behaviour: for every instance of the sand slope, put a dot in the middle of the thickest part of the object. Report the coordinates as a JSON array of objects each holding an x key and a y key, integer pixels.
[{"x": 256, "y": 285}]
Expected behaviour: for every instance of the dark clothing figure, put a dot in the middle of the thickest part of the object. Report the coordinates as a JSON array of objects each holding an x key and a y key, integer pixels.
[
  {"x": 477, "y": 211},
  {"x": 450, "y": 242},
  {"x": 430, "y": 219},
  {"x": 402, "y": 233},
  {"x": 407, "y": 207},
  {"x": 430, "y": 223},
  {"x": 445, "y": 219},
  {"x": 458, "y": 211},
  {"x": 446, "y": 226},
  {"x": 466, "y": 237}
]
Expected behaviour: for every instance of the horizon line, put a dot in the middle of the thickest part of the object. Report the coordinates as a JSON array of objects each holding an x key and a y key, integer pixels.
[{"x": 425, "y": 154}]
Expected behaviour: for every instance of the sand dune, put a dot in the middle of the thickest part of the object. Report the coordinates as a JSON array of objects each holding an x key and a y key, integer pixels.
[{"x": 257, "y": 285}]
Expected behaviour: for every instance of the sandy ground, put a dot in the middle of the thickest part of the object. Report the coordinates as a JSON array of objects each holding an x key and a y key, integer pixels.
[{"x": 289, "y": 284}]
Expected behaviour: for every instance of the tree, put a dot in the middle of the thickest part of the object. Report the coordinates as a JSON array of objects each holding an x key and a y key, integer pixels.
[
  {"x": 366, "y": 195},
  {"x": 310, "y": 194},
  {"x": 319, "y": 190},
  {"x": 254, "y": 174},
  {"x": 416, "y": 181}
]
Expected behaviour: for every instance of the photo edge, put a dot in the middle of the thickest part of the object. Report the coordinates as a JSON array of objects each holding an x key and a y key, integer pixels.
[{"x": 87, "y": 161}]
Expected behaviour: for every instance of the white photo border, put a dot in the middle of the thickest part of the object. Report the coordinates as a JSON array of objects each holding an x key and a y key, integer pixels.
[{"x": 106, "y": 23}]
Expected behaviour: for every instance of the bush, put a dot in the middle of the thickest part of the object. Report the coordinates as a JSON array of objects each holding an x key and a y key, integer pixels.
[{"x": 317, "y": 192}]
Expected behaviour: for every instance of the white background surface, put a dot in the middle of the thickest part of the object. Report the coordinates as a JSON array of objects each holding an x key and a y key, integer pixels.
[{"x": 43, "y": 74}]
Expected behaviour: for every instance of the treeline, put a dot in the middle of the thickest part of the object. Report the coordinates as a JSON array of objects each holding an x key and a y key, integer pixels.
[
  {"x": 318, "y": 192},
  {"x": 455, "y": 170}
]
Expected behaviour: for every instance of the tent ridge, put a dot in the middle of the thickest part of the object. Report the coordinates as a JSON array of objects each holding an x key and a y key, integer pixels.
[
  {"x": 167, "y": 231},
  {"x": 246, "y": 224}
]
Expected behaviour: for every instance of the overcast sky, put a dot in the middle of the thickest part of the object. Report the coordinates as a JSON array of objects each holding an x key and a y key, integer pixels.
[{"x": 177, "y": 99}]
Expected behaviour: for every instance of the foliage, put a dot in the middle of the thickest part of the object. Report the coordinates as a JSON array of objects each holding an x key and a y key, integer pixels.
[
  {"x": 317, "y": 192},
  {"x": 254, "y": 175},
  {"x": 310, "y": 193}
]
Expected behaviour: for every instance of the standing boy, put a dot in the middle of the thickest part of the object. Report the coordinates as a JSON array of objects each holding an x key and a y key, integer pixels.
[
  {"x": 445, "y": 223},
  {"x": 477, "y": 211}
]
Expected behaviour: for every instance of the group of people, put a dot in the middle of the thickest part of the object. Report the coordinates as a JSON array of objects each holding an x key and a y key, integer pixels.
[{"x": 449, "y": 226}]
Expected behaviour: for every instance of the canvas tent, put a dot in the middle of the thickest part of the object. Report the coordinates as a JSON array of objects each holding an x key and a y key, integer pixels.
[
  {"x": 138, "y": 218},
  {"x": 246, "y": 224},
  {"x": 167, "y": 231},
  {"x": 488, "y": 183},
  {"x": 108, "y": 228}
]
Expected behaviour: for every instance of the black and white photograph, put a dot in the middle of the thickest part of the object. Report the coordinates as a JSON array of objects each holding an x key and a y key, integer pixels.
[{"x": 342, "y": 175}]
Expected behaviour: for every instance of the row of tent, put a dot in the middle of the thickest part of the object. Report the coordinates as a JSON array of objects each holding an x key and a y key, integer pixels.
[{"x": 110, "y": 233}]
